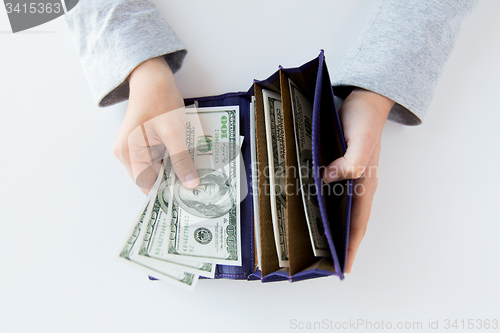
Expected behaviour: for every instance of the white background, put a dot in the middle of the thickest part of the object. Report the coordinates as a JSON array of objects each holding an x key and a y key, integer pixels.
[{"x": 432, "y": 247}]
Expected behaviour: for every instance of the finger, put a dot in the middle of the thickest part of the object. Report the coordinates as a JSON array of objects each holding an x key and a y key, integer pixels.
[
  {"x": 171, "y": 130},
  {"x": 363, "y": 194},
  {"x": 122, "y": 153},
  {"x": 353, "y": 164},
  {"x": 146, "y": 164},
  {"x": 146, "y": 179},
  {"x": 143, "y": 159}
]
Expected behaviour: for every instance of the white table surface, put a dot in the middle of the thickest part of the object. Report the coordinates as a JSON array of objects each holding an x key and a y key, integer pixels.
[{"x": 432, "y": 247}]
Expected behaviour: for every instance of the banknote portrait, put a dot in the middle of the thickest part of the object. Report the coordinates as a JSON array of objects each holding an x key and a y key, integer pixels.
[{"x": 213, "y": 198}]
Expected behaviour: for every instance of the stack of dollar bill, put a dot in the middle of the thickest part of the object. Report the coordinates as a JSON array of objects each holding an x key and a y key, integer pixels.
[
  {"x": 302, "y": 111},
  {"x": 181, "y": 234}
]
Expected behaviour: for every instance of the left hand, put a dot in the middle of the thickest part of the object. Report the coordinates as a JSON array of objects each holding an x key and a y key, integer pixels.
[{"x": 363, "y": 116}]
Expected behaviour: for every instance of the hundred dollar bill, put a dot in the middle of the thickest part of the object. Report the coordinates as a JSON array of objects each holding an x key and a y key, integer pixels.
[
  {"x": 166, "y": 274},
  {"x": 154, "y": 233},
  {"x": 302, "y": 115},
  {"x": 203, "y": 224},
  {"x": 155, "y": 242},
  {"x": 277, "y": 170}
]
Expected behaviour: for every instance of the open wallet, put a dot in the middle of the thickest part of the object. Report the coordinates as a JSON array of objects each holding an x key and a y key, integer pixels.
[{"x": 311, "y": 238}]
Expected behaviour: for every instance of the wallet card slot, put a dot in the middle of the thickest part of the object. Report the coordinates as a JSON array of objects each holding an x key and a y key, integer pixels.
[
  {"x": 269, "y": 257},
  {"x": 321, "y": 268},
  {"x": 300, "y": 251}
]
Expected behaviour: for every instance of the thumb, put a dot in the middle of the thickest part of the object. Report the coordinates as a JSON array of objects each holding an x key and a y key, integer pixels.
[
  {"x": 353, "y": 164},
  {"x": 184, "y": 167},
  {"x": 172, "y": 132}
]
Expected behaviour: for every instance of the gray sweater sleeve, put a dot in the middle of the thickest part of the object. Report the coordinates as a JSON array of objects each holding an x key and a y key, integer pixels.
[
  {"x": 401, "y": 53},
  {"x": 114, "y": 37}
]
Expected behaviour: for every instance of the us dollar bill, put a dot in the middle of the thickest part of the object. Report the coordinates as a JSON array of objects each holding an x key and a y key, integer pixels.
[
  {"x": 302, "y": 111},
  {"x": 275, "y": 138},
  {"x": 156, "y": 233},
  {"x": 153, "y": 229},
  {"x": 202, "y": 225},
  {"x": 167, "y": 274}
]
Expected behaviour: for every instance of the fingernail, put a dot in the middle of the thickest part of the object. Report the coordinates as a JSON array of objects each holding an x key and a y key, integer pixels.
[{"x": 191, "y": 180}]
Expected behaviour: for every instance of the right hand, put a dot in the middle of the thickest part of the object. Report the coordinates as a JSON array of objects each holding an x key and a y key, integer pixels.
[
  {"x": 363, "y": 116},
  {"x": 155, "y": 120}
]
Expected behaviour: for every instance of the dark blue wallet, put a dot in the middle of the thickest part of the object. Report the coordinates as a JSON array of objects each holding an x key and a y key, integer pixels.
[{"x": 313, "y": 80}]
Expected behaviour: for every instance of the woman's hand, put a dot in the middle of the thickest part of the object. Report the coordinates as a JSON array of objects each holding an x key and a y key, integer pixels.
[
  {"x": 155, "y": 119},
  {"x": 363, "y": 116}
]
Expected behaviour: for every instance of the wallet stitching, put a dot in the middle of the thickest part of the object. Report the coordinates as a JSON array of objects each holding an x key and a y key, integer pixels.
[
  {"x": 231, "y": 275},
  {"x": 212, "y": 98},
  {"x": 252, "y": 250},
  {"x": 281, "y": 278},
  {"x": 313, "y": 275}
]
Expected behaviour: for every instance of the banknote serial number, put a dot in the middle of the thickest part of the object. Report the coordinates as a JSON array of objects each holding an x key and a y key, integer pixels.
[
  {"x": 471, "y": 324},
  {"x": 34, "y": 7}
]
